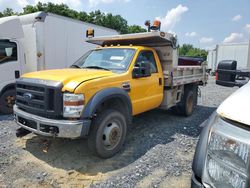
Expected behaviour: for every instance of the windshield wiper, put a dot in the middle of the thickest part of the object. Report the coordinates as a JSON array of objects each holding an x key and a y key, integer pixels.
[
  {"x": 75, "y": 66},
  {"x": 96, "y": 67}
]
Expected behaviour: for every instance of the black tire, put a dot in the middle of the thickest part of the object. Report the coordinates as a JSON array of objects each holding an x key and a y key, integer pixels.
[
  {"x": 7, "y": 101},
  {"x": 188, "y": 107},
  {"x": 188, "y": 103},
  {"x": 110, "y": 123}
]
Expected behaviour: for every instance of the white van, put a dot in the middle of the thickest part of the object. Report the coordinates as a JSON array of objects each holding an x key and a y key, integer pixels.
[{"x": 36, "y": 42}]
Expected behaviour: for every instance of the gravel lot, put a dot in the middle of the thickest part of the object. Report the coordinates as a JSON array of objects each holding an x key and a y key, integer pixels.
[{"x": 158, "y": 152}]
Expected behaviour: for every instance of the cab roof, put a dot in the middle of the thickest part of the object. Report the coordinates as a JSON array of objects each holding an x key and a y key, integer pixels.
[
  {"x": 149, "y": 39},
  {"x": 11, "y": 28}
]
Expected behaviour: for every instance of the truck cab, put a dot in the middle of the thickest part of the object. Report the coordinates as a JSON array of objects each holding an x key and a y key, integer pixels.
[
  {"x": 101, "y": 92},
  {"x": 222, "y": 156},
  {"x": 11, "y": 59}
]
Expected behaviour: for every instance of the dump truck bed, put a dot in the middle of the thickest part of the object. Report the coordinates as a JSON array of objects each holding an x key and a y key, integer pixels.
[{"x": 181, "y": 75}]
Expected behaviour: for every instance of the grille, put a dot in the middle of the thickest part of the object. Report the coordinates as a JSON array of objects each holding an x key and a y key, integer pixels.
[{"x": 39, "y": 97}]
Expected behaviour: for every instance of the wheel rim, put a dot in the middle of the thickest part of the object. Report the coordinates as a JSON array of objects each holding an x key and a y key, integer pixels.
[
  {"x": 10, "y": 101},
  {"x": 190, "y": 104},
  {"x": 111, "y": 135}
]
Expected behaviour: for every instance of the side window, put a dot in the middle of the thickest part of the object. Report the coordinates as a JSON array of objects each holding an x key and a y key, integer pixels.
[
  {"x": 147, "y": 57},
  {"x": 8, "y": 51}
]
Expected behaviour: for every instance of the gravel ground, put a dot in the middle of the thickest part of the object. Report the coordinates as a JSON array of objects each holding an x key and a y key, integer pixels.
[{"x": 158, "y": 152}]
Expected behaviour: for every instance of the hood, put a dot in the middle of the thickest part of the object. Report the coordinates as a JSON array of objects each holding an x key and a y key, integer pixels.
[
  {"x": 11, "y": 28},
  {"x": 236, "y": 107},
  {"x": 70, "y": 78}
]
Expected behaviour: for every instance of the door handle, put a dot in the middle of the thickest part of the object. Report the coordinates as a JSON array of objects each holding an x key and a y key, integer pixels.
[
  {"x": 160, "y": 81},
  {"x": 17, "y": 74},
  {"x": 126, "y": 86}
]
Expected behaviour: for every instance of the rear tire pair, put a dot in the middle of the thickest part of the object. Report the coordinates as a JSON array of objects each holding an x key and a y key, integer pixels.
[
  {"x": 108, "y": 133},
  {"x": 7, "y": 101},
  {"x": 188, "y": 101}
]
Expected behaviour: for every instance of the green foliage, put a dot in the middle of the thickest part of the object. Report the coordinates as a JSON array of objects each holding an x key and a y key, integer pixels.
[
  {"x": 7, "y": 12},
  {"x": 136, "y": 29},
  {"x": 60, "y": 9},
  {"x": 96, "y": 17},
  {"x": 190, "y": 50},
  {"x": 108, "y": 20}
]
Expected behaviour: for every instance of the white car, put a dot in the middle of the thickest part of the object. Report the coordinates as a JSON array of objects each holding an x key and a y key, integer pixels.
[{"x": 222, "y": 157}]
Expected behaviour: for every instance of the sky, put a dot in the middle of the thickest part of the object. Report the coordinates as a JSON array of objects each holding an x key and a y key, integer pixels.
[{"x": 203, "y": 23}]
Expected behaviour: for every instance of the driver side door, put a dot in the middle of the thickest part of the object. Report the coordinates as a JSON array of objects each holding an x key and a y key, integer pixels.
[
  {"x": 9, "y": 62},
  {"x": 146, "y": 92}
]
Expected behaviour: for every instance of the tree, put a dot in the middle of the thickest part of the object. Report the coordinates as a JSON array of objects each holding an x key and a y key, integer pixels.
[
  {"x": 29, "y": 9},
  {"x": 136, "y": 29},
  {"x": 185, "y": 48},
  {"x": 116, "y": 22},
  {"x": 60, "y": 9},
  {"x": 97, "y": 17},
  {"x": 190, "y": 50},
  {"x": 7, "y": 12}
]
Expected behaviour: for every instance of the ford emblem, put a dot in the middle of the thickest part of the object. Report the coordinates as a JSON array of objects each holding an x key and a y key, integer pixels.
[{"x": 28, "y": 96}]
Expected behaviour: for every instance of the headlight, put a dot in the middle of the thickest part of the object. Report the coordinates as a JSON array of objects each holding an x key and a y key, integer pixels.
[
  {"x": 228, "y": 156},
  {"x": 72, "y": 105}
]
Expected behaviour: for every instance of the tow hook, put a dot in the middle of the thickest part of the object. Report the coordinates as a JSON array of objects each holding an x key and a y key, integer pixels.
[{"x": 53, "y": 131}]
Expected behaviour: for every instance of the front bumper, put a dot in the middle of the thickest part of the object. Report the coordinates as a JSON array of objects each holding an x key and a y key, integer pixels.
[{"x": 51, "y": 127}]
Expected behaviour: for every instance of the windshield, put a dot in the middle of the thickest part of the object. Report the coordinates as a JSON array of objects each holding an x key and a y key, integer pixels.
[
  {"x": 114, "y": 59},
  {"x": 8, "y": 51}
]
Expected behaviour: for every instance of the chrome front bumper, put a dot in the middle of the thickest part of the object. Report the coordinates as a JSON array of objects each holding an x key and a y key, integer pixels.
[{"x": 51, "y": 127}]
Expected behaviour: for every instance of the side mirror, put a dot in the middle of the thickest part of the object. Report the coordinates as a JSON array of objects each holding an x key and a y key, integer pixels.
[
  {"x": 141, "y": 70},
  {"x": 226, "y": 73}
]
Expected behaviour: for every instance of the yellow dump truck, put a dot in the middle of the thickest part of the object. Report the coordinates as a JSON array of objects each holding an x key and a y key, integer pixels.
[{"x": 100, "y": 93}]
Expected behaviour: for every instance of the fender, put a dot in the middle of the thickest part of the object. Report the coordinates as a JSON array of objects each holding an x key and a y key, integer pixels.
[
  {"x": 9, "y": 86},
  {"x": 105, "y": 95},
  {"x": 201, "y": 148}
]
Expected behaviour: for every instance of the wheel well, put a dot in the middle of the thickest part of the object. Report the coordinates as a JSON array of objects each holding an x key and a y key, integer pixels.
[
  {"x": 8, "y": 87},
  {"x": 116, "y": 104}
]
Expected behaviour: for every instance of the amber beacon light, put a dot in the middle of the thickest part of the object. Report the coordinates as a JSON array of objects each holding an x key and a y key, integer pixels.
[
  {"x": 155, "y": 27},
  {"x": 90, "y": 33}
]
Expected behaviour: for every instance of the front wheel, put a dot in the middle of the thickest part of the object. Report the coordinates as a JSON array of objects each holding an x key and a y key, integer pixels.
[
  {"x": 7, "y": 101},
  {"x": 108, "y": 133}
]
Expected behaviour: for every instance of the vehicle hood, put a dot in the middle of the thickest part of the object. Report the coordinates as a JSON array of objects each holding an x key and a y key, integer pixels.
[
  {"x": 70, "y": 78},
  {"x": 236, "y": 107}
]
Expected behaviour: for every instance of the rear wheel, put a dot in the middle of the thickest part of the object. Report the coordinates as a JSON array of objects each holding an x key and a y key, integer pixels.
[
  {"x": 188, "y": 101},
  {"x": 188, "y": 106},
  {"x": 7, "y": 101},
  {"x": 108, "y": 133}
]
